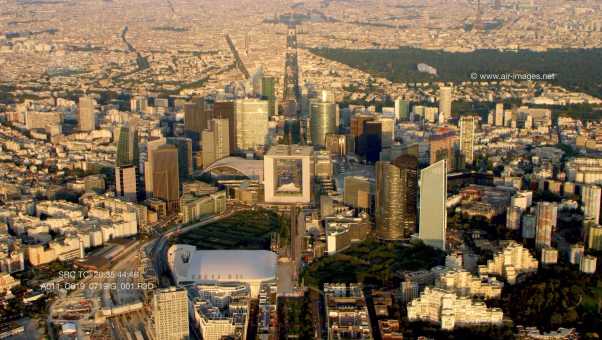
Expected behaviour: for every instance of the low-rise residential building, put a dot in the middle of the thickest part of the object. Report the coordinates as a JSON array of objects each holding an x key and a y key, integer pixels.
[
  {"x": 588, "y": 264},
  {"x": 549, "y": 256},
  {"x": 576, "y": 252},
  {"x": 464, "y": 283},
  {"x": 267, "y": 316},
  {"x": 346, "y": 312},
  {"x": 194, "y": 207},
  {"x": 511, "y": 261},
  {"x": 449, "y": 311},
  {"x": 221, "y": 310},
  {"x": 7, "y": 282},
  {"x": 62, "y": 230},
  {"x": 390, "y": 330},
  {"x": 342, "y": 231}
]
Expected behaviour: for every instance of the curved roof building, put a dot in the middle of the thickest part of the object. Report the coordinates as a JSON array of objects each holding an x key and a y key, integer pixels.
[
  {"x": 396, "y": 188},
  {"x": 237, "y": 166},
  {"x": 253, "y": 267}
]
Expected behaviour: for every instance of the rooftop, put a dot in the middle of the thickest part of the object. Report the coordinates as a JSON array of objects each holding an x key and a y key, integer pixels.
[{"x": 290, "y": 150}]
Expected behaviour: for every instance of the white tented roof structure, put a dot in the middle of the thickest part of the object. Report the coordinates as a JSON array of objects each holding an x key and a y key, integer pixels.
[{"x": 189, "y": 265}]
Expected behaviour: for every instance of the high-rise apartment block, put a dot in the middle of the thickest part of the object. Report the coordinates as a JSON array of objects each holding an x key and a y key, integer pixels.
[
  {"x": 594, "y": 237},
  {"x": 86, "y": 114},
  {"x": 591, "y": 197},
  {"x": 126, "y": 186},
  {"x": 499, "y": 114},
  {"x": 546, "y": 214},
  {"x": 170, "y": 314},
  {"x": 468, "y": 125},
  {"x": 445, "y": 103},
  {"x": 513, "y": 218},
  {"x": 402, "y": 109}
]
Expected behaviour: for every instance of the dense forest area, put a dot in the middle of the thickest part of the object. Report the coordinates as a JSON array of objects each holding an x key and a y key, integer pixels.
[
  {"x": 575, "y": 69},
  {"x": 558, "y": 296},
  {"x": 372, "y": 262}
]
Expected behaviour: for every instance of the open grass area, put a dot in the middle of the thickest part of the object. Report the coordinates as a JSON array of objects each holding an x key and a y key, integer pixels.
[{"x": 251, "y": 230}]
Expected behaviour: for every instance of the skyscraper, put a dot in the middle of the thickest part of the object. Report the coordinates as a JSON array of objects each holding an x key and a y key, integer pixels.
[
  {"x": 170, "y": 314},
  {"x": 86, "y": 114},
  {"x": 196, "y": 115},
  {"x": 184, "y": 146},
  {"x": 256, "y": 81},
  {"x": 396, "y": 188},
  {"x": 251, "y": 123},
  {"x": 433, "y": 198},
  {"x": 165, "y": 175},
  {"x": 138, "y": 104},
  {"x": 387, "y": 125},
  {"x": 499, "y": 114},
  {"x": 357, "y": 131},
  {"x": 151, "y": 146},
  {"x": 594, "y": 237},
  {"x": 491, "y": 118},
  {"x": 590, "y": 199},
  {"x": 322, "y": 113},
  {"x": 126, "y": 163},
  {"x": 468, "y": 126},
  {"x": 126, "y": 141},
  {"x": 292, "y": 131},
  {"x": 268, "y": 92},
  {"x": 445, "y": 103},
  {"x": 546, "y": 214},
  {"x": 400, "y": 149},
  {"x": 402, "y": 109},
  {"x": 357, "y": 192},
  {"x": 225, "y": 110},
  {"x": 216, "y": 141},
  {"x": 513, "y": 217},
  {"x": 126, "y": 182},
  {"x": 441, "y": 145},
  {"x": 337, "y": 144},
  {"x": 371, "y": 141}
]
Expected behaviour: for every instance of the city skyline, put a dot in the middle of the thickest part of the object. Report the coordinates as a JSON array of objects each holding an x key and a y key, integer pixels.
[{"x": 391, "y": 169}]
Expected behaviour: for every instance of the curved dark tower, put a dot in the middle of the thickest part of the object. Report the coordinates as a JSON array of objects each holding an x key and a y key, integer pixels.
[{"x": 396, "y": 200}]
